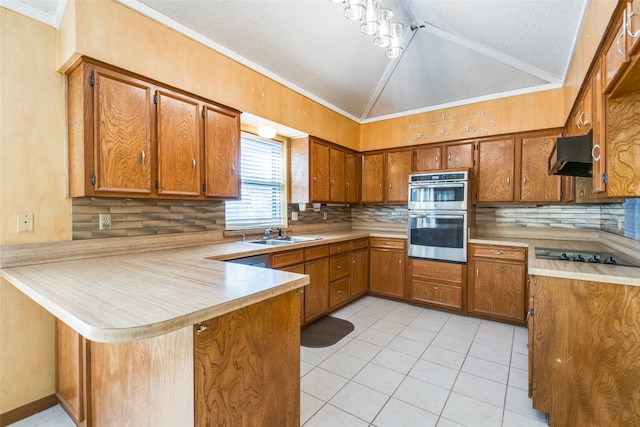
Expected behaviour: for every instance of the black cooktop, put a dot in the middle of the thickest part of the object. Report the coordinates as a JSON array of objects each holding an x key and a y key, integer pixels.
[{"x": 604, "y": 257}]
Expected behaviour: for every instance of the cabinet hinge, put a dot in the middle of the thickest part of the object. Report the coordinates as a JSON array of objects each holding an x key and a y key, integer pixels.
[
  {"x": 155, "y": 99},
  {"x": 202, "y": 112},
  {"x": 93, "y": 179},
  {"x": 531, "y": 387},
  {"x": 157, "y": 184},
  {"x": 603, "y": 178},
  {"x": 92, "y": 80}
]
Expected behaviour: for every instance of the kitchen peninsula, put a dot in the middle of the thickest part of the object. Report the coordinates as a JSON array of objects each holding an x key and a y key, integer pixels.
[{"x": 171, "y": 338}]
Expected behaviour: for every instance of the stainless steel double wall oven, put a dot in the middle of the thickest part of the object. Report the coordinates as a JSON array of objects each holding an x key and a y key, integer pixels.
[{"x": 438, "y": 215}]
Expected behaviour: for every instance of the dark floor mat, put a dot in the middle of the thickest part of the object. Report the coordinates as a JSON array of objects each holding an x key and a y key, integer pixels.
[{"x": 325, "y": 331}]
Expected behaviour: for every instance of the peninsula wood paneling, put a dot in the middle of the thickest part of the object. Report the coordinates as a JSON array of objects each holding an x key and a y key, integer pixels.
[
  {"x": 247, "y": 366},
  {"x": 586, "y": 352}
]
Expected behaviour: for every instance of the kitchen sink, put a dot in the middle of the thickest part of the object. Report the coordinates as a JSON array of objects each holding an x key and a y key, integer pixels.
[{"x": 284, "y": 240}]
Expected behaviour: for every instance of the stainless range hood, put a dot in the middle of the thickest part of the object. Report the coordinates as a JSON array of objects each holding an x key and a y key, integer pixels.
[{"x": 571, "y": 156}]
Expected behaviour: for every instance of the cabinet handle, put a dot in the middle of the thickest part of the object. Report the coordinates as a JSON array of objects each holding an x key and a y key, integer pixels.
[
  {"x": 387, "y": 243},
  {"x": 300, "y": 291},
  {"x": 354, "y": 262},
  {"x": 193, "y": 165},
  {"x": 593, "y": 153},
  {"x": 508, "y": 180},
  {"x": 389, "y": 185},
  {"x": 348, "y": 184},
  {"x": 437, "y": 158},
  {"x": 497, "y": 252},
  {"x": 618, "y": 48},
  {"x": 631, "y": 33},
  {"x": 314, "y": 180},
  {"x": 380, "y": 185},
  {"x": 339, "y": 292},
  {"x": 449, "y": 157},
  {"x": 339, "y": 267},
  {"x": 332, "y": 182},
  {"x": 581, "y": 121},
  {"x": 524, "y": 180},
  {"x": 477, "y": 272},
  {"x": 435, "y": 288},
  {"x": 143, "y": 157},
  {"x": 201, "y": 328},
  {"x": 233, "y": 170},
  {"x": 400, "y": 262}
]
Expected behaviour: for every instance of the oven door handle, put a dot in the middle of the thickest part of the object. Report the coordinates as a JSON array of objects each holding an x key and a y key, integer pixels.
[
  {"x": 436, "y": 216},
  {"x": 438, "y": 184}
]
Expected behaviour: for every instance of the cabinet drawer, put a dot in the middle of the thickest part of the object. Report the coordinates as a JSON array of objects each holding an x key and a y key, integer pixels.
[
  {"x": 339, "y": 266},
  {"x": 378, "y": 242},
  {"x": 339, "y": 292},
  {"x": 450, "y": 296},
  {"x": 359, "y": 244},
  {"x": 284, "y": 259},
  {"x": 437, "y": 270},
  {"x": 316, "y": 253},
  {"x": 339, "y": 248},
  {"x": 498, "y": 252}
]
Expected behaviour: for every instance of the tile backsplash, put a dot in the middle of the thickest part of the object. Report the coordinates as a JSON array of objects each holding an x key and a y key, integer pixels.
[{"x": 135, "y": 217}]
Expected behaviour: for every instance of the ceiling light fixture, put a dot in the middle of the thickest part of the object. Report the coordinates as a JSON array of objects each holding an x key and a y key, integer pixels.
[
  {"x": 267, "y": 131},
  {"x": 377, "y": 22}
]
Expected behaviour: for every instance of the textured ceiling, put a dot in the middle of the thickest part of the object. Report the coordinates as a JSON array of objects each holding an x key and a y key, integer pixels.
[{"x": 460, "y": 51}]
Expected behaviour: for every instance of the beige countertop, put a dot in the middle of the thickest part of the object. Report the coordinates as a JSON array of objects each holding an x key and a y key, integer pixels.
[
  {"x": 130, "y": 297},
  {"x": 117, "y": 298}
]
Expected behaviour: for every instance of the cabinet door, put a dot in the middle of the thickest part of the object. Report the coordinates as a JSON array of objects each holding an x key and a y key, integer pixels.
[
  {"x": 427, "y": 159},
  {"x": 398, "y": 170},
  {"x": 598, "y": 152},
  {"x": 123, "y": 133},
  {"x": 583, "y": 117},
  {"x": 387, "y": 272},
  {"x": 616, "y": 55},
  {"x": 222, "y": 152},
  {"x": 352, "y": 177},
  {"x": 299, "y": 268},
  {"x": 178, "y": 145},
  {"x": 319, "y": 172},
  {"x": 336, "y": 175},
  {"x": 70, "y": 371},
  {"x": 316, "y": 293},
  {"x": 496, "y": 160},
  {"x": 497, "y": 289},
  {"x": 458, "y": 156},
  {"x": 372, "y": 177},
  {"x": 359, "y": 272},
  {"x": 536, "y": 185}
]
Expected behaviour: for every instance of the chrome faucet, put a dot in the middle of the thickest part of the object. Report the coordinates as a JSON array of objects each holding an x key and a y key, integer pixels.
[{"x": 267, "y": 233}]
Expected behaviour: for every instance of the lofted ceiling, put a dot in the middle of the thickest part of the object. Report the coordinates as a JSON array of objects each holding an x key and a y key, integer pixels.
[{"x": 455, "y": 51}]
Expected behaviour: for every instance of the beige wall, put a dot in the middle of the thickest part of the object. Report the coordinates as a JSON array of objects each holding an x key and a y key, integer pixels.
[
  {"x": 32, "y": 137},
  {"x": 32, "y": 179}
]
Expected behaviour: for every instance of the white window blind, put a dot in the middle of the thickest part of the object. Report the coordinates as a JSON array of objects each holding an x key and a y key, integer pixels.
[{"x": 262, "y": 192}]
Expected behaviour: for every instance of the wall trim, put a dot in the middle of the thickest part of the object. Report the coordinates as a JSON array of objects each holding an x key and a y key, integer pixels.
[{"x": 27, "y": 410}]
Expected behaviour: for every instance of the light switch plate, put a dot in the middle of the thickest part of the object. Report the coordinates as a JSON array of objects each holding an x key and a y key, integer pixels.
[{"x": 294, "y": 216}]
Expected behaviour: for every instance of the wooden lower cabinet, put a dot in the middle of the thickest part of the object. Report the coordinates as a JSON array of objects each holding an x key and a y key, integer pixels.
[
  {"x": 316, "y": 295},
  {"x": 438, "y": 284},
  {"x": 359, "y": 272},
  {"x": 497, "y": 288},
  {"x": 293, "y": 262},
  {"x": 189, "y": 377},
  {"x": 387, "y": 267},
  {"x": 585, "y": 347}
]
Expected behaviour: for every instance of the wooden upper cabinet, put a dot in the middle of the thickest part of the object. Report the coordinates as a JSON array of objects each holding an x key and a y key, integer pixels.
[
  {"x": 583, "y": 117},
  {"x": 616, "y": 55},
  {"x": 122, "y": 109},
  {"x": 536, "y": 185},
  {"x": 427, "y": 159},
  {"x": 372, "y": 178},
  {"x": 179, "y": 159},
  {"x": 319, "y": 171},
  {"x": 352, "y": 177},
  {"x": 598, "y": 151},
  {"x": 397, "y": 177},
  {"x": 222, "y": 152},
  {"x": 458, "y": 156},
  {"x": 496, "y": 163},
  {"x": 337, "y": 185}
]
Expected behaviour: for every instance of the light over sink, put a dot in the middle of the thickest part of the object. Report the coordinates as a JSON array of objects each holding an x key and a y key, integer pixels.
[{"x": 283, "y": 240}]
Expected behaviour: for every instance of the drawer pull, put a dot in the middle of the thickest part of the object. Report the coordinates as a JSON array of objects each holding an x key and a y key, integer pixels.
[
  {"x": 399, "y": 262},
  {"x": 300, "y": 291},
  {"x": 339, "y": 267},
  {"x": 497, "y": 252},
  {"x": 477, "y": 272},
  {"x": 435, "y": 288},
  {"x": 339, "y": 292},
  {"x": 387, "y": 243}
]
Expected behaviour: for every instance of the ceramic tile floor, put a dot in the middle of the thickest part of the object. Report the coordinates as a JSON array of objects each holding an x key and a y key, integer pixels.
[
  {"x": 406, "y": 366},
  {"x": 409, "y": 366}
]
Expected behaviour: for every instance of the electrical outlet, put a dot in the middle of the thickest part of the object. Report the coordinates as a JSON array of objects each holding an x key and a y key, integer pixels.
[
  {"x": 105, "y": 221},
  {"x": 294, "y": 216},
  {"x": 25, "y": 222},
  {"x": 324, "y": 215}
]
